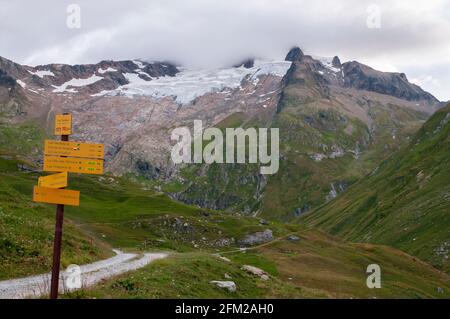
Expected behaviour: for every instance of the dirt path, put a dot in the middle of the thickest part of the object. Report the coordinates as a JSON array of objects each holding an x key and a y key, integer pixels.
[{"x": 36, "y": 286}]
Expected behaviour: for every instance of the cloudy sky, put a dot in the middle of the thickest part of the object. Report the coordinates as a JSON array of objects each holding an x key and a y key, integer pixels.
[{"x": 411, "y": 36}]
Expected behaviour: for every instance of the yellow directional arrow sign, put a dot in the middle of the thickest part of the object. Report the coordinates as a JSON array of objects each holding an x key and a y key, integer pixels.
[
  {"x": 73, "y": 165},
  {"x": 56, "y": 196},
  {"x": 53, "y": 181},
  {"x": 63, "y": 124},
  {"x": 74, "y": 149}
]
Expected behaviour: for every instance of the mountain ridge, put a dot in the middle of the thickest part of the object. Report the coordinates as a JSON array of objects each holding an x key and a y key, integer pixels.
[
  {"x": 330, "y": 121},
  {"x": 359, "y": 76}
]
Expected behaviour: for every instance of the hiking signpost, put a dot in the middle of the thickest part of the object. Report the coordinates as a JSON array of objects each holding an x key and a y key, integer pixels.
[{"x": 64, "y": 157}]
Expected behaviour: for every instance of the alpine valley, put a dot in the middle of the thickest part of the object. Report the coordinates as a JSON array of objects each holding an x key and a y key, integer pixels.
[{"x": 363, "y": 178}]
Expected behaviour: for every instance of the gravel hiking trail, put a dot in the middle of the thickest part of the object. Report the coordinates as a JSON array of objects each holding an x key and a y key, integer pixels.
[{"x": 91, "y": 274}]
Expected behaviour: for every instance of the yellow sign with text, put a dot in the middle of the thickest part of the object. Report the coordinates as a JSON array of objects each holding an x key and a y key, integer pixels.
[
  {"x": 74, "y": 149},
  {"x": 63, "y": 124},
  {"x": 53, "y": 181},
  {"x": 56, "y": 196},
  {"x": 73, "y": 165}
]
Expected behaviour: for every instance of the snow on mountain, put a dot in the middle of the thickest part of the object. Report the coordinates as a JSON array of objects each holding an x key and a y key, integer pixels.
[
  {"x": 139, "y": 64},
  {"x": 21, "y": 83},
  {"x": 278, "y": 68},
  {"x": 42, "y": 73},
  {"x": 77, "y": 83},
  {"x": 327, "y": 62},
  {"x": 109, "y": 69},
  {"x": 189, "y": 84}
]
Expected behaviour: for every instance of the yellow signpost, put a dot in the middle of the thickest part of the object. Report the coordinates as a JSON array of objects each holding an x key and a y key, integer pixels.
[
  {"x": 56, "y": 196},
  {"x": 73, "y": 165},
  {"x": 53, "y": 181},
  {"x": 74, "y": 149},
  {"x": 63, "y": 157},
  {"x": 63, "y": 124}
]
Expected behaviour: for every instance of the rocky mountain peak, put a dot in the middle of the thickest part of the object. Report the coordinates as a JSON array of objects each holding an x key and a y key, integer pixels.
[
  {"x": 248, "y": 63},
  {"x": 363, "y": 77},
  {"x": 294, "y": 54},
  {"x": 403, "y": 76},
  {"x": 336, "y": 62}
]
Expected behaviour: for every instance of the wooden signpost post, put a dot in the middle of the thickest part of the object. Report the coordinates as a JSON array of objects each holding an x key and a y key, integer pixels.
[{"x": 64, "y": 157}]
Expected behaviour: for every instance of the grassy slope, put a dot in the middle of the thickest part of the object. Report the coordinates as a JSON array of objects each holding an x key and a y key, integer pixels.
[
  {"x": 188, "y": 276},
  {"x": 405, "y": 203},
  {"x": 300, "y": 182},
  {"x": 114, "y": 212},
  {"x": 127, "y": 219},
  {"x": 327, "y": 264},
  {"x": 306, "y": 128},
  {"x": 317, "y": 266},
  {"x": 27, "y": 228},
  {"x": 119, "y": 213},
  {"x": 126, "y": 215}
]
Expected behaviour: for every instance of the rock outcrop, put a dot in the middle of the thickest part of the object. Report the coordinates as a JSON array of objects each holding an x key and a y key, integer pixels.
[
  {"x": 256, "y": 238},
  {"x": 363, "y": 77},
  {"x": 256, "y": 272},
  {"x": 228, "y": 285}
]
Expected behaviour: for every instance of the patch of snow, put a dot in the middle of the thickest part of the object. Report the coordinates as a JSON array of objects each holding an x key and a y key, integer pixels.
[
  {"x": 134, "y": 78},
  {"x": 139, "y": 64},
  {"x": 143, "y": 73},
  {"x": 43, "y": 73},
  {"x": 268, "y": 93},
  {"x": 189, "y": 84},
  {"x": 278, "y": 68},
  {"x": 101, "y": 93},
  {"x": 327, "y": 63},
  {"x": 109, "y": 69},
  {"x": 21, "y": 83},
  {"x": 77, "y": 83}
]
